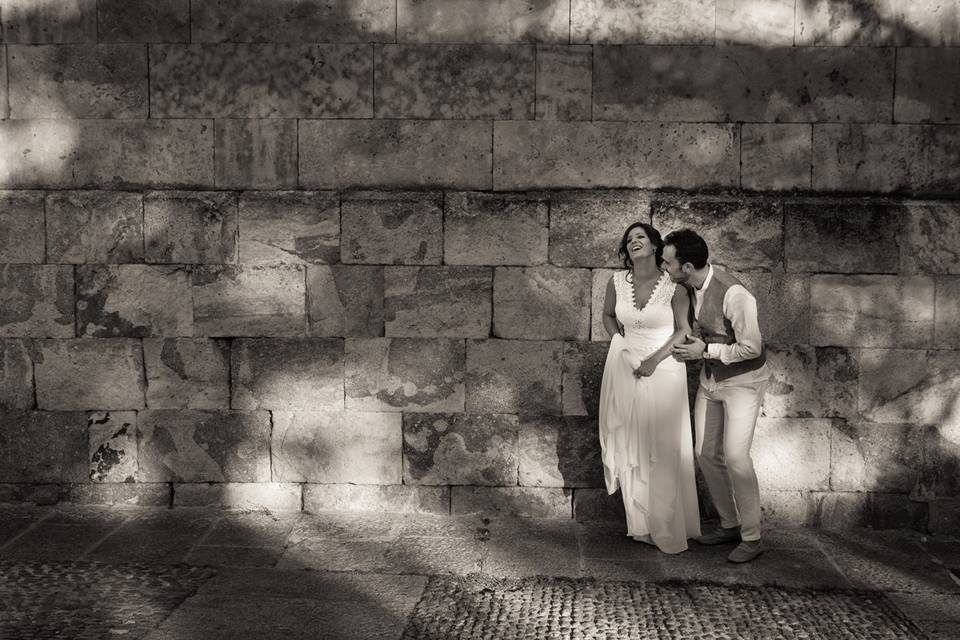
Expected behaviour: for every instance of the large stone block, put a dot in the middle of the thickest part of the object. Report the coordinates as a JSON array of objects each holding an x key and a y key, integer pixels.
[
  {"x": 792, "y": 454},
  {"x": 443, "y": 449},
  {"x": 541, "y": 303},
  {"x": 134, "y": 301},
  {"x": 112, "y": 452},
  {"x": 263, "y": 497},
  {"x": 394, "y": 154},
  {"x": 945, "y": 516},
  {"x": 392, "y": 498},
  {"x": 930, "y": 237},
  {"x": 910, "y": 386},
  {"x": 640, "y": 21},
  {"x": 471, "y": 82},
  {"x": 909, "y": 158},
  {"x": 785, "y": 509},
  {"x": 140, "y": 494},
  {"x": 249, "y": 301},
  {"x": 583, "y": 364},
  {"x": 775, "y": 157},
  {"x": 42, "y": 446},
  {"x": 49, "y": 21},
  {"x": 37, "y": 301},
  {"x": 483, "y": 21},
  {"x": 598, "y": 289},
  {"x": 746, "y": 235},
  {"x": 941, "y": 454},
  {"x": 875, "y": 457},
  {"x": 335, "y": 446},
  {"x": 345, "y": 300},
  {"x": 295, "y": 227},
  {"x": 744, "y": 22},
  {"x": 204, "y": 446},
  {"x": 928, "y": 85},
  {"x": 811, "y": 382},
  {"x": 586, "y": 228},
  {"x": 437, "y": 302},
  {"x": 842, "y": 237},
  {"x": 507, "y": 376},
  {"x": 255, "y": 153},
  {"x": 548, "y": 155},
  {"x": 16, "y": 375},
  {"x": 564, "y": 82},
  {"x": 882, "y": 23},
  {"x": 89, "y": 374},
  {"x": 560, "y": 452},
  {"x": 78, "y": 81},
  {"x": 872, "y": 311},
  {"x": 706, "y": 84},
  {"x": 405, "y": 374},
  {"x": 594, "y": 505},
  {"x": 293, "y": 21},
  {"x": 512, "y": 502},
  {"x": 143, "y": 20},
  {"x": 491, "y": 229},
  {"x": 21, "y": 214},
  {"x": 191, "y": 227},
  {"x": 946, "y": 329},
  {"x": 187, "y": 373},
  {"x": 783, "y": 302},
  {"x": 261, "y": 81},
  {"x": 106, "y": 153},
  {"x": 840, "y": 510},
  {"x": 94, "y": 226},
  {"x": 287, "y": 374},
  {"x": 391, "y": 228}
]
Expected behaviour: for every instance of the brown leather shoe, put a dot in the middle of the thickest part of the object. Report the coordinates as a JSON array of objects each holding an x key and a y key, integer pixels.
[
  {"x": 720, "y": 535},
  {"x": 746, "y": 551}
]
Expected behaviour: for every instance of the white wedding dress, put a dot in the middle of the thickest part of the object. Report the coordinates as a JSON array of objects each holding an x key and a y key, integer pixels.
[{"x": 645, "y": 434}]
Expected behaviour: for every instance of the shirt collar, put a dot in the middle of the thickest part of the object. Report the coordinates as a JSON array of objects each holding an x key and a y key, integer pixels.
[{"x": 708, "y": 279}]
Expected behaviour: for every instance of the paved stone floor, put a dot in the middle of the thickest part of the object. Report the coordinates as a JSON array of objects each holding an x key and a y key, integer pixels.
[{"x": 199, "y": 573}]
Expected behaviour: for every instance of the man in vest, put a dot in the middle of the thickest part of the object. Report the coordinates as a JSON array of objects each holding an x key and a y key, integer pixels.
[{"x": 727, "y": 338}]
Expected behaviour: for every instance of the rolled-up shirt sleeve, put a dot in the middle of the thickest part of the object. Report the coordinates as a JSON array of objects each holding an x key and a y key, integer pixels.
[{"x": 740, "y": 307}]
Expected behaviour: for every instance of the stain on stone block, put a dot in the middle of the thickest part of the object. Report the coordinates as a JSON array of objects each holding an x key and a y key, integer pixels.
[
  {"x": 494, "y": 229},
  {"x": 256, "y": 153},
  {"x": 187, "y": 373},
  {"x": 249, "y": 301},
  {"x": 842, "y": 237},
  {"x": 560, "y": 452},
  {"x": 391, "y": 228},
  {"x": 113, "y": 446},
  {"x": 49, "y": 21},
  {"x": 287, "y": 373},
  {"x": 541, "y": 303},
  {"x": 94, "y": 226},
  {"x": 437, "y": 302},
  {"x": 37, "y": 301},
  {"x": 930, "y": 240},
  {"x": 586, "y": 228},
  {"x": 133, "y": 301},
  {"x": 513, "y": 376},
  {"x": 345, "y": 300},
  {"x": 776, "y": 156},
  {"x": 441, "y": 449},
  {"x": 191, "y": 227},
  {"x": 144, "y": 20},
  {"x": 89, "y": 374},
  {"x": 21, "y": 213},
  {"x": 289, "y": 227},
  {"x": 812, "y": 382},
  {"x": 16, "y": 375}
]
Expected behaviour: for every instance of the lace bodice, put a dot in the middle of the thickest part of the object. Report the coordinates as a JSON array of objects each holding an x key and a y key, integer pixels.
[{"x": 648, "y": 328}]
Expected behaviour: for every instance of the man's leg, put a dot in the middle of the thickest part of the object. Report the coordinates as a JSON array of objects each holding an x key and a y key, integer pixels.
[{"x": 709, "y": 419}]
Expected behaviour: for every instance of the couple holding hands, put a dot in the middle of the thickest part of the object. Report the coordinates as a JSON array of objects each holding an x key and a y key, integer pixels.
[{"x": 667, "y": 307}]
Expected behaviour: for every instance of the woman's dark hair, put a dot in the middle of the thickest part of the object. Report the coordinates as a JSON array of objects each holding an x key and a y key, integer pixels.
[
  {"x": 690, "y": 247},
  {"x": 652, "y": 234}
]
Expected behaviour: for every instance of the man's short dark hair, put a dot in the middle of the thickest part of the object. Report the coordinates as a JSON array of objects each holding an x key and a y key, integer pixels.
[{"x": 690, "y": 247}]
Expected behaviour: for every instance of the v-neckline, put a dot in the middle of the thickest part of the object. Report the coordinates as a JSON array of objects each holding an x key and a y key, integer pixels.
[{"x": 633, "y": 293}]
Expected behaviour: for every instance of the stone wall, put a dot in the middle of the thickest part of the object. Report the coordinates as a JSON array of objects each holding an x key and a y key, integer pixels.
[{"x": 330, "y": 254}]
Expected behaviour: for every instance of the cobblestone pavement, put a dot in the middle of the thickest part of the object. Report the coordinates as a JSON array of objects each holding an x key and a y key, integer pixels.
[{"x": 97, "y": 572}]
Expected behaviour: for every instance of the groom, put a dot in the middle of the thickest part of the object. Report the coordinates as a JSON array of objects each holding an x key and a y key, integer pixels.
[{"x": 727, "y": 338}]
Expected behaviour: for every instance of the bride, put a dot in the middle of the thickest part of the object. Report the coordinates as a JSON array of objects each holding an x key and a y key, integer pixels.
[{"x": 645, "y": 434}]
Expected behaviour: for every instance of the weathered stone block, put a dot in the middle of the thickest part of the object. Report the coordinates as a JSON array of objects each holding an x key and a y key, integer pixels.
[
  {"x": 874, "y": 457},
  {"x": 295, "y": 227},
  {"x": 910, "y": 386},
  {"x": 785, "y": 508},
  {"x": 141, "y": 494},
  {"x": 296, "y": 21},
  {"x": 21, "y": 214},
  {"x": 405, "y": 374},
  {"x": 37, "y": 301},
  {"x": 512, "y": 502},
  {"x": 842, "y": 237},
  {"x": 490, "y": 229},
  {"x": 783, "y": 301},
  {"x": 598, "y": 288},
  {"x": 380, "y": 498},
  {"x": 743, "y": 22},
  {"x": 255, "y": 153},
  {"x": 204, "y": 446},
  {"x": 334, "y": 446},
  {"x": 54, "y": 21},
  {"x": 249, "y": 301},
  {"x": 929, "y": 240},
  {"x": 26, "y": 493},
  {"x": 261, "y": 81},
  {"x": 741, "y": 235},
  {"x": 394, "y": 153},
  {"x": 470, "y": 82},
  {"x": 5, "y": 108},
  {"x": 792, "y": 454},
  {"x": 872, "y": 311},
  {"x": 583, "y": 364},
  {"x": 945, "y": 516},
  {"x": 144, "y": 20},
  {"x": 549, "y": 155},
  {"x": 507, "y": 376},
  {"x": 113, "y": 446},
  {"x": 16, "y": 375},
  {"x": 776, "y": 156},
  {"x": 840, "y": 511},
  {"x": 586, "y": 228},
  {"x": 94, "y": 226},
  {"x": 499, "y": 21},
  {"x": 946, "y": 329},
  {"x": 89, "y": 374},
  {"x": 560, "y": 452},
  {"x": 244, "y": 496},
  {"x": 541, "y": 303},
  {"x": 637, "y": 21},
  {"x": 705, "y": 84},
  {"x": 437, "y": 302},
  {"x": 345, "y": 300},
  {"x": 287, "y": 373},
  {"x": 941, "y": 454},
  {"x": 897, "y": 511},
  {"x": 183, "y": 226},
  {"x": 460, "y": 449},
  {"x": 928, "y": 85},
  {"x": 42, "y": 446},
  {"x": 886, "y": 157},
  {"x": 106, "y": 153},
  {"x": 811, "y": 382},
  {"x": 133, "y": 300},
  {"x": 390, "y": 228},
  {"x": 187, "y": 373},
  {"x": 78, "y": 81},
  {"x": 884, "y": 23},
  {"x": 564, "y": 82},
  {"x": 594, "y": 505}
]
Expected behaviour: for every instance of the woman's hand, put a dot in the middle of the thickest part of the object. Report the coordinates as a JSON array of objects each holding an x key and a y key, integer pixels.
[{"x": 646, "y": 369}]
